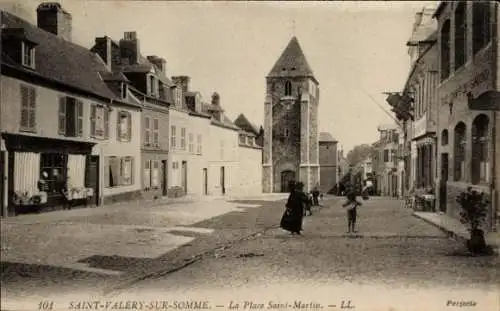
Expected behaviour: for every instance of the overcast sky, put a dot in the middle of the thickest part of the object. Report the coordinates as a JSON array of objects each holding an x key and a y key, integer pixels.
[{"x": 356, "y": 49}]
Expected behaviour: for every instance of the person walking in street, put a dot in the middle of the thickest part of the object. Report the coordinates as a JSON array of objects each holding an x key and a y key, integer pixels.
[
  {"x": 315, "y": 194},
  {"x": 351, "y": 205},
  {"x": 294, "y": 213}
]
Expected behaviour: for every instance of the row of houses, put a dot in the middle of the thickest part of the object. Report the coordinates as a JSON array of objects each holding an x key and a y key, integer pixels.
[
  {"x": 106, "y": 123},
  {"x": 448, "y": 108}
]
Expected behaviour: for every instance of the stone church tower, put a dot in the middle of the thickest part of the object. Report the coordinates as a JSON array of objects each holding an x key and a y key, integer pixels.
[{"x": 291, "y": 123}]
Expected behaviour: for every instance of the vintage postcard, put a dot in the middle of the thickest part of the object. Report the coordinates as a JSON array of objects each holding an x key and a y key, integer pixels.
[{"x": 249, "y": 155}]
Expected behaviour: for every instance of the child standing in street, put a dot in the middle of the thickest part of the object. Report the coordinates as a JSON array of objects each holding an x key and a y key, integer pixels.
[{"x": 351, "y": 205}]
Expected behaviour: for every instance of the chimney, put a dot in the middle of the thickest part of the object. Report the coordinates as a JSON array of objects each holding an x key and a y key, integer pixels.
[
  {"x": 215, "y": 99},
  {"x": 52, "y": 18},
  {"x": 103, "y": 48},
  {"x": 159, "y": 62},
  {"x": 129, "y": 47},
  {"x": 182, "y": 81}
]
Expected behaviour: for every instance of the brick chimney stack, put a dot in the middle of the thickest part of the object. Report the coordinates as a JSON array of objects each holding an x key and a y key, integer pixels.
[
  {"x": 52, "y": 18},
  {"x": 159, "y": 62}
]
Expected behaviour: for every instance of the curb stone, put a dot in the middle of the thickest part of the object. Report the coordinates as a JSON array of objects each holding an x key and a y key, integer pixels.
[{"x": 450, "y": 233}]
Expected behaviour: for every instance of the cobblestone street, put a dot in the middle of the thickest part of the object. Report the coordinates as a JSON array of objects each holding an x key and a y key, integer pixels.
[
  {"x": 393, "y": 256},
  {"x": 242, "y": 253}
]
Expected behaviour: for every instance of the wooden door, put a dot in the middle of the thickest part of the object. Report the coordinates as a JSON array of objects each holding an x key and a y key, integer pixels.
[
  {"x": 223, "y": 180},
  {"x": 92, "y": 177},
  {"x": 164, "y": 177},
  {"x": 205, "y": 181},
  {"x": 184, "y": 176},
  {"x": 286, "y": 178}
]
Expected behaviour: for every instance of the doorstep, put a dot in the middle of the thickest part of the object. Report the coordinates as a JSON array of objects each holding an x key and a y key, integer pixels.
[{"x": 455, "y": 228}]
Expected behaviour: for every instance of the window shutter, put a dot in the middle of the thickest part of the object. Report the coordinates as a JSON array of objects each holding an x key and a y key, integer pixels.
[
  {"x": 106, "y": 122},
  {"x": 106, "y": 169},
  {"x": 132, "y": 175},
  {"x": 129, "y": 126},
  {"x": 92, "y": 121},
  {"x": 118, "y": 127},
  {"x": 155, "y": 132},
  {"x": 62, "y": 115},
  {"x": 147, "y": 130},
  {"x": 32, "y": 103},
  {"x": 79, "y": 118},
  {"x": 25, "y": 113},
  {"x": 147, "y": 174}
]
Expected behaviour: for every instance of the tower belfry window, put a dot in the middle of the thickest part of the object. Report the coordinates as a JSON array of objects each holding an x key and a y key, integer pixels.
[{"x": 288, "y": 88}]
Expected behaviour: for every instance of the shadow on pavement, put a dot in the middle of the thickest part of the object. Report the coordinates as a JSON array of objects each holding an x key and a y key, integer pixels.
[
  {"x": 114, "y": 262},
  {"x": 12, "y": 272}
]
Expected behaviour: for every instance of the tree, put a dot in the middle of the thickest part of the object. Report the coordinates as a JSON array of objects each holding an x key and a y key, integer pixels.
[{"x": 359, "y": 153}]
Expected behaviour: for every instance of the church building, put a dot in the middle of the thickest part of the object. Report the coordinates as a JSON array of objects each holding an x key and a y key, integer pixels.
[{"x": 291, "y": 149}]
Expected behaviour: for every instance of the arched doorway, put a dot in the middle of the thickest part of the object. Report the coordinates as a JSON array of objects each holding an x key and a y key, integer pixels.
[{"x": 286, "y": 177}]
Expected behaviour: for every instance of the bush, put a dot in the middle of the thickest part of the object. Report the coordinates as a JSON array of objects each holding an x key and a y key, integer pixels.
[{"x": 474, "y": 208}]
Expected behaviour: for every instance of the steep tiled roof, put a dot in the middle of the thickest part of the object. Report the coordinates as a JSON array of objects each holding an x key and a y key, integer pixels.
[
  {"x": 292, "y": 62},
  {"x": 62, "y": 61},
  {"x": 326, "y": 137},
  {"x": 243, "y": 123}
]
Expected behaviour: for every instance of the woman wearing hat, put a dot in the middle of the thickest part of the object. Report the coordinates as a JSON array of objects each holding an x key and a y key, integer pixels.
[{"x": 292, "y": 219}]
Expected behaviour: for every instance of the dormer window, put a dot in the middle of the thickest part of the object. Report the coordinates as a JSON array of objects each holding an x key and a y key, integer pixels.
[
  {"x": 124, "y": 90},
  {"x": 28, "y": 54},
  {"x": 153, "y": 86}
]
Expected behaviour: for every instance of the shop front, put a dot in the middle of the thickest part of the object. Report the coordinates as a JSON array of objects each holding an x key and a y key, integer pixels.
[{"x": 45, "y": 174}]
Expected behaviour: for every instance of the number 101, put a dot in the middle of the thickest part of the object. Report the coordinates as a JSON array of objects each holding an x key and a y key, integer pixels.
[{"x": 46, "y": 305}]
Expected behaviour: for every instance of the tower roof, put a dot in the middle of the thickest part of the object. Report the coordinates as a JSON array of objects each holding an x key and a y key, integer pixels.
[{"x": 292, "y": 62}]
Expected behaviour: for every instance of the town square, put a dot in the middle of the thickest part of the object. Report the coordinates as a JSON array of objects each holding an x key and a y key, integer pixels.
[{"x": 241, "y": 155}]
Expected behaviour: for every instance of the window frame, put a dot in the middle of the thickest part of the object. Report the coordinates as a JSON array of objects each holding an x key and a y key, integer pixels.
[
  {"x": 30, "y": 48},
  {"x": 445, "y": 50},
  {"x": 127, "y": 136},
  {"x": 156, "y": 132},
  {"x": 460, "y": 39},
  {"x": 94, "y": 107},
  {"x": 481, "y": 30},
  {"x": 459, "y": 151},
  {"x": 62, "y": 123}
]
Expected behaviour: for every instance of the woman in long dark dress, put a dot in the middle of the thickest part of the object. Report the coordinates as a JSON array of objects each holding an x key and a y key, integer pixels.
[{"x": 295, "y": 209}]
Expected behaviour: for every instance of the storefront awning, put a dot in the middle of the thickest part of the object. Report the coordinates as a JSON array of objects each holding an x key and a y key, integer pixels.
[
  {"x": 19, "y": 142},
  {"x": 489, "y": 100}
]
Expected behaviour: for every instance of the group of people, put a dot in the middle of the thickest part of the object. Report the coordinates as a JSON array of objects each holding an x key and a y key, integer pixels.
[{"x": 299, "y": 202}]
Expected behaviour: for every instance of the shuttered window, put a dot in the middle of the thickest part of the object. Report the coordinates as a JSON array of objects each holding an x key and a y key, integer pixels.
[
  {"x": 155, "y": 181},
  {"x": 127, "y": 165},
  {"x": 156, "y": 133},
  {"x": 183, "y": 138},
  {"x": 99, "y": 121},
  {"x": 70, "y": 121},
  {"x": 173, "y": 138},
  {"x": 147, "y": 175},
  {"x": 147, "y": 131},
  {"x": 124, "y": 130},
  {"x": 191, "y": 142},
  {"x": 28, "y": 108}
]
